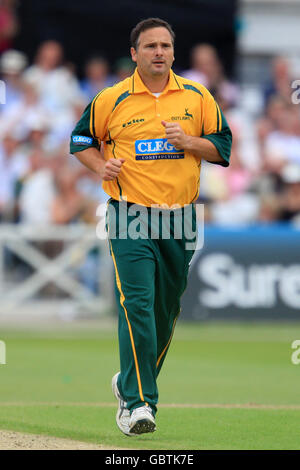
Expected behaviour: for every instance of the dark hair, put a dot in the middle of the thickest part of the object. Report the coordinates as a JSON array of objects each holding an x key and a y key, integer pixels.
[{"x": 148, "y": 24}]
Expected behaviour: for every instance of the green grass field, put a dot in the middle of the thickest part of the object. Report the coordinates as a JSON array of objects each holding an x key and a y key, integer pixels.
[{"x": 57, "y": 383}]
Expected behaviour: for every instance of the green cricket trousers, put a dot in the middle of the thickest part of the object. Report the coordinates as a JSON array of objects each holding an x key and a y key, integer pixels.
[{"x": 151, "y": 250}]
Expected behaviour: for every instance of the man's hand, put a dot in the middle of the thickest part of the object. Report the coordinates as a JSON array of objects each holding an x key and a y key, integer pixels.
[
  {"x": 199, "y": 147},
  {"x": 176, "y": 135},
  {"x": 108, "y": 170},
  {"x": 112, "y": 168}
]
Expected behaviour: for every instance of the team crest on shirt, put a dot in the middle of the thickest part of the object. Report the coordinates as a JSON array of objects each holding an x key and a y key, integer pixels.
[
  {"x": 187, "y": 115},
  {"x": 156, "y": 149}
]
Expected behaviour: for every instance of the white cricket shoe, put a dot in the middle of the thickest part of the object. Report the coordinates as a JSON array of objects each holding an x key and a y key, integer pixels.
[
  {"x": 123, "y": 414},
  {"x": 142, "y": 420}
]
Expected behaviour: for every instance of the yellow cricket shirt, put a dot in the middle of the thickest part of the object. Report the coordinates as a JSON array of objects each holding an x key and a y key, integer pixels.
[{"x": 127, "y": 118}]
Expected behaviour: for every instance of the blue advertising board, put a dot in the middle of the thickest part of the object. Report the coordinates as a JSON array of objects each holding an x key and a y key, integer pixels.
[{"x": 245, "y": 274}]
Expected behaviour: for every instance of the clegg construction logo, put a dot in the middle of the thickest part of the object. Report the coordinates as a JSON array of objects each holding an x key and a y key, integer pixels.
[
  {"x": 2, "y": 352},
  {"x": 156, "y": 149},
  {"x": 186, "y": 116}
]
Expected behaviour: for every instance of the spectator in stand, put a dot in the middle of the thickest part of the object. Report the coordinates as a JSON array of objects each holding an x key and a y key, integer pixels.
[
  {"x": 38, "y": 132},
  {"x": 290, "y": 198},
  {"x": 244, "y": 130},
  {"x": 271, "y": 119},
  {"x": 69, "y": 205},
  {"x": 38, "y": 190},
  {"x": 282, "y": 146},
  {"x": 278, "y": 135},
  {"x": 269, "y": 208},
  {"x": 61, "y": 127},
  {"x": 57, "y": 87},
  {"x": 17, "y": 118},
  {"x": 96, "y": 77},
  {"x": 241, "y": 210},
  {"x": 12, "y": 64},
  {"x": 124, "y": 67},
  {"x": 206, "y": 68},
  {"x": 13, "y": 167},
  {"x": 196, "y": 71},
  {"x": 280, "y": 84},
  {"x": 8, "y": 24}
]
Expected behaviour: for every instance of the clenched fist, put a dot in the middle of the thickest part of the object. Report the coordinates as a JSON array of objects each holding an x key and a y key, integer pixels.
[
  {"x": 112, "y": 169},
  {"x": 175, "y": 135}
]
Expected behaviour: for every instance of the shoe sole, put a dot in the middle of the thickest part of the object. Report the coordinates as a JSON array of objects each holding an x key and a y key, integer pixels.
[{"x": 143, "y": 426}]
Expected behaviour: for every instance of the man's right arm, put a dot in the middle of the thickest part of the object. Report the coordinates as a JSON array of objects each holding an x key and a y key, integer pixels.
[
  {"x": 85, "y": 145},
  {"x": 92, "y": 159}
]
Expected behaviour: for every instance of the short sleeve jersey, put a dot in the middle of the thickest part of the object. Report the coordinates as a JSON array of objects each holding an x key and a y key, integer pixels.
[{"x": 127, "y": 119}]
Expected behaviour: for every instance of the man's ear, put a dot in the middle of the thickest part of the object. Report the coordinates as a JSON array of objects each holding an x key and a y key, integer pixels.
[{"x": 133, "y": 54}]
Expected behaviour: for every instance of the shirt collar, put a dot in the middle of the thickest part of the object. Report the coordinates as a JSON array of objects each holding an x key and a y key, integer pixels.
[{"x": 138, "y": 86}]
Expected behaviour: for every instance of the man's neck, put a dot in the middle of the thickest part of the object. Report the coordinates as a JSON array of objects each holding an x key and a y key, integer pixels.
[{"x": 154, "y": 84}]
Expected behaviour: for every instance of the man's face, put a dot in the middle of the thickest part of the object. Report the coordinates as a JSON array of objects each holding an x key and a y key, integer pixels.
[{"x": 155, "y": 52}]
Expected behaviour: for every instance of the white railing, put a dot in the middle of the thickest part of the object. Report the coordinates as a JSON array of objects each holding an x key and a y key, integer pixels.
[{"x": 27, "y": 243}]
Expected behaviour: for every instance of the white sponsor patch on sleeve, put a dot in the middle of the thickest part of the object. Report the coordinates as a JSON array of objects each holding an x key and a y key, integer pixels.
[{"x": 81, "y": 140}]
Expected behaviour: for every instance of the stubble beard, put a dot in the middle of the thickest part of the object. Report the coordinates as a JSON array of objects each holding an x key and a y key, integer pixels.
[{"x": 157, "y": 72}]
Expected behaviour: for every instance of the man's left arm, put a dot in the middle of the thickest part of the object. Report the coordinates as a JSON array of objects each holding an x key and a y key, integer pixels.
[
  {"x": 215, "y": 143},
  {"x": 198, "y": 146}
]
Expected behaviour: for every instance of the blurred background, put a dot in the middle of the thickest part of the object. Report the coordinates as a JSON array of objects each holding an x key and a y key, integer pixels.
[{"x": 54, "y": 58}]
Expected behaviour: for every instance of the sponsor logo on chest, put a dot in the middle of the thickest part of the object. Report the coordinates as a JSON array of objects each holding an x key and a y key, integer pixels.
[{"x": 156, "y": 149}]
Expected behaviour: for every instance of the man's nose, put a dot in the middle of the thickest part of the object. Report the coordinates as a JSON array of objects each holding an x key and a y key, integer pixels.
[{"x": 159, "y": 51}]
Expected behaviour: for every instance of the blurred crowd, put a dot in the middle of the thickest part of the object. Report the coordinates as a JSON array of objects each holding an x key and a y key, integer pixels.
[
  {"x": 262, "y": 183},
  {"x": 41, "y": 183}
]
